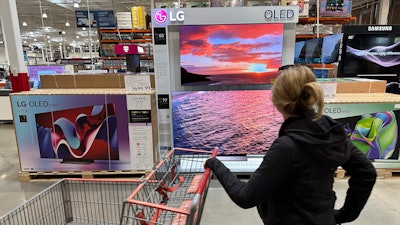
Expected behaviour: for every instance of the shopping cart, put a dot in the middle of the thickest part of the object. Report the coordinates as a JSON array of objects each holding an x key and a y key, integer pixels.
[
  {"x": 75, "y": 201},
  {"x": 174, "y": 192}
]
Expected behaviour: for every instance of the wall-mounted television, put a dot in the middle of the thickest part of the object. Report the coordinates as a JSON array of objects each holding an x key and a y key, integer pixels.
[
  {"x": 80, "y": 134},
  {"x": 238, "y": 122},
  {"x": 371, "y": 52},
  {"x": 330, "y": 48},
  {"x": 230, "y": 54}
]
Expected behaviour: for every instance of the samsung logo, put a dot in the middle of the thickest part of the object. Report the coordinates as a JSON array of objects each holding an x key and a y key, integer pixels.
[{"x": 379, "y": 28}]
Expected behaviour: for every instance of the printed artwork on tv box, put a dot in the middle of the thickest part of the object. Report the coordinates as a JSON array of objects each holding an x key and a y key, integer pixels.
[
  {"x": 233, "y": 54},
  {"x": 237, "y": 122},
  {"x": 375, "y": 134},
  {"x": 86, "y": 133}
]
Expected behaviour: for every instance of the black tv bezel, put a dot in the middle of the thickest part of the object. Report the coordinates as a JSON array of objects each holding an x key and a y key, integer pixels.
[{"x": 348, "y": 30}]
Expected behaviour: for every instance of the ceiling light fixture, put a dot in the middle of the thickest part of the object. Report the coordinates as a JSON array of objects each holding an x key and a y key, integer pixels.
[
  {"x": 67, "y": 24},
  {"x": 83, "y": 28},
  {"x": 24, "y": 24},
  {"x": 44, "y": 15},
  {"x": 76, "y": 5}
]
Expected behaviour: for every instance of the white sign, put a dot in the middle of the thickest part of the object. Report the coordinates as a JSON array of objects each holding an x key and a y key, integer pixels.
[
  {"x": 138, "y": 102},
  {"x": 141, "y": 145},
  {"x": 137, "y": 83}
]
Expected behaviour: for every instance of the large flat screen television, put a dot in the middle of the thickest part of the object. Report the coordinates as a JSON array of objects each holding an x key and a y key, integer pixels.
[
  {"x": 371, "y": 52},
  {"x": 232, "y": 54},
  {"x": 313, "y": 50},
  {"x": 300, "y": 52},
  {"x": 330, "y": 48},
  {"x": 80, "y": 134},
  {"x": 239, "y": 122}
]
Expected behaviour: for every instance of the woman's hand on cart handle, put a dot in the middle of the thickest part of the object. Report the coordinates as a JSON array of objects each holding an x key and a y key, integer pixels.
[{"x": 213, "y": 155}]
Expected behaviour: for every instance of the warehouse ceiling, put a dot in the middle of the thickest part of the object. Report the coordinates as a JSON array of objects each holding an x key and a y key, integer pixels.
[{"x": 43, "y": 32}]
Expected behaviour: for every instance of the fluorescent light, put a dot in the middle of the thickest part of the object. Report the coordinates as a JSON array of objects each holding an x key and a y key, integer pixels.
[
  {"x": 24, "y": 24},
  {"x": 44, "y": 15},
  {"x": 83, "y": 28},
  {"x": 67, "y": 24},
  {"x": 76, "y": 5}
]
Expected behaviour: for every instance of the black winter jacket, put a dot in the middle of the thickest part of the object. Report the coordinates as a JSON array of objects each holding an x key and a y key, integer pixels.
[{"x": 293, "y": 185}]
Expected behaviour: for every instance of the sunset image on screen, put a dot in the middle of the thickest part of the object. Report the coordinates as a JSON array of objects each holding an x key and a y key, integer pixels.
[{"x": 230, "y": 54}]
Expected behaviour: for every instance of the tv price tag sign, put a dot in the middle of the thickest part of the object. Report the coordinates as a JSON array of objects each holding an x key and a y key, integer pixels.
[
  {"x": 138, "y": 102},
  {"x": 137, "y": 83}
]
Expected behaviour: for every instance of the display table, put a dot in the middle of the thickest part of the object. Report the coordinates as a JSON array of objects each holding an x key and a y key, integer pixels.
[{"x": 5, "y": 112}]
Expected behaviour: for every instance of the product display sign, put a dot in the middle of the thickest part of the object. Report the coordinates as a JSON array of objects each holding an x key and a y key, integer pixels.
[
  {"x": 185, "y": 16},
  {"x": 129, "y": 49},
  {"x": 140, "y": 131}
]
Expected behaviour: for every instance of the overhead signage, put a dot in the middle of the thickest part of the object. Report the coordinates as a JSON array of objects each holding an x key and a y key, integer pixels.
[
  {"x": 95, "y": 18},
  {"x": 129, "y": 49},
  {"x": 225, "y": 15}
]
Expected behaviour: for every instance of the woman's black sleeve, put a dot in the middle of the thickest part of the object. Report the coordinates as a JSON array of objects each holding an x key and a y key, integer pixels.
[
  {"x": 362, "y": 179},
  {"x": 263, "y": 182}
]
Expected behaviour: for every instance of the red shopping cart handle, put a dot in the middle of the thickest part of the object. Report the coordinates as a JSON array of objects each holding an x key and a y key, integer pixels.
[{"x": 206, "y": 175}]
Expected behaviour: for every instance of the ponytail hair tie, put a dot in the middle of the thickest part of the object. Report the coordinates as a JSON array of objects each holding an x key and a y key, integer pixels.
[{"x": 304, "y": 94}]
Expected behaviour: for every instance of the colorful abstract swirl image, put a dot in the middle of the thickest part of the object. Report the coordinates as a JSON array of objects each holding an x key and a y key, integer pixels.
[
  {"x": 375, "y": 134},
  {"x": 87, "y": 133}
]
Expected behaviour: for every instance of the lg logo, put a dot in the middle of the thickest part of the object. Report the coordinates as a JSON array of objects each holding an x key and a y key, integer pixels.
[{"x": 161, "y": 16}]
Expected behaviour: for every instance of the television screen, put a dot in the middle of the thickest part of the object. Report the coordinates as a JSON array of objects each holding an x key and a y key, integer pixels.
[
  {"x": 238, "y": 122},
  {"x": 371, "y": 55},
  {"x": 34, "y": 72},
  {"x": 330, "y": 48},
  {"x": 235, "y": 54},
  {"x": 86, "y": 133},
  {"x": 300, "y": 52},
  {"x": 313, "y": 50}
]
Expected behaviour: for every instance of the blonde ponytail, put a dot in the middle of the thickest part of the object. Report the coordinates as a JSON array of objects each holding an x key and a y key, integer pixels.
[{"x": 296, "y": 93}]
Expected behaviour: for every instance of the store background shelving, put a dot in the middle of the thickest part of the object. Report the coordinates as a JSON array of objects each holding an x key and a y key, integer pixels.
[{"x": 111, "y": 37}]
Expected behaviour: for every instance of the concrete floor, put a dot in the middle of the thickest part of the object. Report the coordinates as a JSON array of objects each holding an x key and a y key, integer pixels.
[{"x": 383, "y": 207}]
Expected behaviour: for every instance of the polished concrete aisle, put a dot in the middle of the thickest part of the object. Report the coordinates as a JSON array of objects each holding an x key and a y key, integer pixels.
[{"x": 383, "y": 207}]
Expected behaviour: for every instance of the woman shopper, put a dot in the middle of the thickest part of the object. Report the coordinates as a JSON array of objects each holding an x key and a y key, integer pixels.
[{"x": 294, "y": 183}]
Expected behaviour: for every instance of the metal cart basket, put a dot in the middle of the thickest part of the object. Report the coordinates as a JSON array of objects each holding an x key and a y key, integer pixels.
[
  {"x": 74, "y": 201},
  {"x": 174, "y": 192}
]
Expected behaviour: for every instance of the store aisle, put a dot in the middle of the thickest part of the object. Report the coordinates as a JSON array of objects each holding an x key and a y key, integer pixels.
[{"x": 382, "y": 208}]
